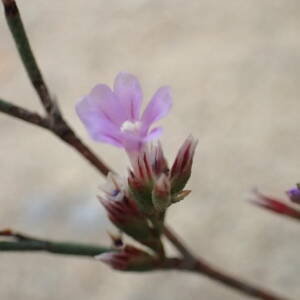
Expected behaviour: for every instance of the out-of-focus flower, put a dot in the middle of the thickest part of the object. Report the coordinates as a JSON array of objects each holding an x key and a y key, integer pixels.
[
  {"x": 128, "y": 258},
  {"x": 182, "y": 166},
  {"x": 124, "y": 213},
  {"x": 274, "y": 205},
  {"x": 294, "y": 194},
  {"x": 114, "y": 116}
]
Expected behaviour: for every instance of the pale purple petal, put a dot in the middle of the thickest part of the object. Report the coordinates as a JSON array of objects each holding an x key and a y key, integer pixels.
[
  {"x": 99, "y": 129},
  {"x": 102, "y": 100},
  {"x": 132, "y": 142},
  {"x": 154, "y": 134},
  {"x": 128, "y": 90},
  {"x": 158, "y": 107}
]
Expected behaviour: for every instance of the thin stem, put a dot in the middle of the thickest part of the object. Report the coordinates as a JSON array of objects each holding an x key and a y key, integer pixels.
[
  {"x": 177, "y": 243},
  {"x": 57, "y": 123},
  {"x": 60, "y": 129},
  {"x": 215, "y": 274},
  {"x": 23, "y": 114},
  {"x": 25, "y": 243},
  {"x": 189, "y": 262},
  {"x": 22, "y": 242},
  {"x": 17, "y": 29}
]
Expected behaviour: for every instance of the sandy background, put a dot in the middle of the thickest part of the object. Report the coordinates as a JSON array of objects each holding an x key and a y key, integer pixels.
[{"x": 234, "y": 68}]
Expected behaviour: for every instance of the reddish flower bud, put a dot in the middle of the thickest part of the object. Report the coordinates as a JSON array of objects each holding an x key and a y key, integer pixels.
[
  {"x": 148, "y": 166},
  {"x": 161, "y": 194},
  {"x": 128, "y": 258},
  {"x": 140, "y": 181},
  {"x": 274, "y": 205},
  {"x": 159, "y": 162},
  {"x": 181, "y": 169},
  {"x": 124, "y": 213}
]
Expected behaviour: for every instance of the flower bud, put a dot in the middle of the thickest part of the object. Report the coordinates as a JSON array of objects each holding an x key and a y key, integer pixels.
[
  {"x": 159, "y": 162},
  {"x": 274, "y": 205},
  {"x": 140, "y": 181},
  {"x": 128, "y": 258},
  {"x": 181, "y": 169},
  {"x": 124, "y": 214},
  {"x": 161, "y": 194}
]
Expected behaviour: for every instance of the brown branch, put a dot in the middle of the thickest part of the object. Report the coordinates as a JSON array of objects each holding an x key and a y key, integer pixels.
[
  {"x": 200, "y": 267},
  {"x": 22, "y": 242},
  {"x": 191, "y": 263},
  {"x": 23, "y": 114},
  {"x": 177, "y": 243},
  {"x": 55, "y": 120},
  {"x": 18, "y": 32}
]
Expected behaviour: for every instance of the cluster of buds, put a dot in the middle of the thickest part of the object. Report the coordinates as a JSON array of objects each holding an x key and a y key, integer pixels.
[
  {"x": 154, "y": 186},
  {"x": 124, "y": 213},
  {"x": 137, "y": 205}
]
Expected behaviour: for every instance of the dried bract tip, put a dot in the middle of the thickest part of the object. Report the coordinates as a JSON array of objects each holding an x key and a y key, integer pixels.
[
  {"x": 159, "y": 162},
  {"x": 182, "y": 166},
  {"x": 180, "y": 196},
  {"x": 128, "y": 258}
]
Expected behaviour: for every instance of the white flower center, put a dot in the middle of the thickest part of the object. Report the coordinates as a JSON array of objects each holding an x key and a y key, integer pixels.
[{"x": 130, "y": 126}]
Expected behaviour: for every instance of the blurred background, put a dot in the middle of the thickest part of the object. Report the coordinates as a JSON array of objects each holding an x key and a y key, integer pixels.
[{"x": 234, "y": 69}]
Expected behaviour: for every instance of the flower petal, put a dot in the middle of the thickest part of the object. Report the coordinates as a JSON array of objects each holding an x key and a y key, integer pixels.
[
  {"x": 103, "y": 100},
  {"x": 132, "y": 142},
  {"x": 154, "y": 134},
  {"x": 129, "y": 93},
  {"x": 99, "y": 127},
  {"x": 158, "y": 107}
]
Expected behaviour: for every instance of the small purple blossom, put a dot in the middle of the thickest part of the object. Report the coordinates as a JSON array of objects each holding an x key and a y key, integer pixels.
[
  {"x": 294, "y": 195},
  {"x": 114, "y": 117}
]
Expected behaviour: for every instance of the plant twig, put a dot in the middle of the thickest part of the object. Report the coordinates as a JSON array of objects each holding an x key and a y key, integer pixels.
[
  {"x": 57, "y": 123},
  {"x": 18, "y": 32},
  {"x": 23, "y": 242},
  {"x": 177, "y": 243},
  {"x": 215, "y": 274},
  {"x": 191, "y": 263},
  {"x": 60, "y": 129},
  {"x": 23, "y": 114}
]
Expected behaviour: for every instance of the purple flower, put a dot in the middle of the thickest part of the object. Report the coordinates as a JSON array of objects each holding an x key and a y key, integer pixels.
[
  {"x": 294, "y": 194},
  {"x": 114, "y": 117}
]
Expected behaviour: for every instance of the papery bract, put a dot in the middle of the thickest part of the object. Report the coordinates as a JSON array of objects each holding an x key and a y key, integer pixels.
[
  {"x": 124, "y": 213},
  {"x": 129, "y": 258},
  {"x": 274, "y": 204},
  {"x": 182, "y": 166},
  {"x": 114, "y": 116}
]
